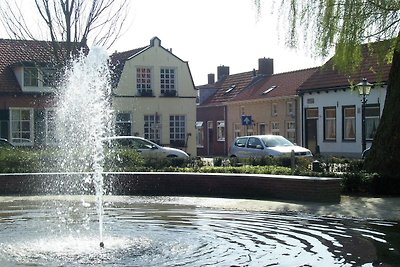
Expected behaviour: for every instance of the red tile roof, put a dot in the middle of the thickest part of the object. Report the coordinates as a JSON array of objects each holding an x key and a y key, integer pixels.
[
  {"x": 328, "y": 78},
  {"x": 276, "y": 85},
  {"x": 16, "y": 52},
  {"x": 228, "y": 88}
]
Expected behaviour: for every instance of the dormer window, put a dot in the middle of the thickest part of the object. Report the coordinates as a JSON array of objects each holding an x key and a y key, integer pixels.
[
  {"x": 269, "y": 89},
  {"x": 31, "y": 76},
  {"x": 230, "y": 89}
]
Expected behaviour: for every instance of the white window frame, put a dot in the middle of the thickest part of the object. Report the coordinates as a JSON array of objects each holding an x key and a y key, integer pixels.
[
  {"x": 262, "y": 126},
  {"x": 291, "y": 131},
  {"x": 177, "y": 128},
  {"x": 330, "y": 124},
  {"x": 31, "y": 77},
  {"x": 200, "y": 134},
  {"x": 144, "y": 79},
  {"x": 371, "y": 121},
  {"x": 50, "y": 126},
  {"x": 237, "y": 127},
  {"x": 274, "y": 109},
  {"x": 275, "y": 128},
  {"x": 221, "y": 131},
  {"x": 349, "y": 123},
  {"x": 152, "y": 127},
  {"x": 168, "y": 80},
  {"x": 290, "y": 108},
  {"x": 123, "y": 121},
  {"x": 21, "y": 129}
]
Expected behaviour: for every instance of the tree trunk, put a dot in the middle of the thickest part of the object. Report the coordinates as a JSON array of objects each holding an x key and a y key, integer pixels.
[{"x": 384, "y": 157}]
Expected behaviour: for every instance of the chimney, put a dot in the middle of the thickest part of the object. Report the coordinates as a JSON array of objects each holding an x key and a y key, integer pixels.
[
  {"x": 266, "y": 66},
  {"x": 211, "y": 78},
  {"x": 222, "y": 71}
]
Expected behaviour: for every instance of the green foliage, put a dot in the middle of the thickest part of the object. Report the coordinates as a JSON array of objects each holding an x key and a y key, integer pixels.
[
  {"x": 123, "y": 160},
  {"x": 18, "y": 161}
]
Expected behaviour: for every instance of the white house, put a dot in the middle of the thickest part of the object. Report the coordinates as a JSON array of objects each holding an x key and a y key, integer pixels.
[
  {"x": 154, "y": 96},
  {"x": 331, "y": 107}
]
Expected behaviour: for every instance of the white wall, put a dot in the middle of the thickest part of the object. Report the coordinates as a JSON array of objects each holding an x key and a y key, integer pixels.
[{"x": 338, "y": 99}]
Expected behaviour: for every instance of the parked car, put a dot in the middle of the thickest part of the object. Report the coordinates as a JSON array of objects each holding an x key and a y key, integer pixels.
[
  {"x": 257, "y": 146},
  {"x": 145, "y": 147},
  {"x": 4, "y": 143}
]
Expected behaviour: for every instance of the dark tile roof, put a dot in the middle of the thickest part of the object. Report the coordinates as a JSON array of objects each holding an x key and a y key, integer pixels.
[
  {"x": 329, "y": 78},
  {"x": 276, "y": 85},
  {"x": 21, "y": 52},
  {"x": 14, "y": 52},
  {"x": 229, "y": 87},
  {"x": 117, "y": 62}
]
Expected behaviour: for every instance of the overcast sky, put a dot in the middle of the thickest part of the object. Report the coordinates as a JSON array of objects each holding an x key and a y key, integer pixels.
[{"x": 210, "y": 33}]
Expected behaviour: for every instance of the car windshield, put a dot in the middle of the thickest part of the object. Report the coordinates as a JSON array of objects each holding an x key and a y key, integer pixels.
[{"x": 272, "y": 141}]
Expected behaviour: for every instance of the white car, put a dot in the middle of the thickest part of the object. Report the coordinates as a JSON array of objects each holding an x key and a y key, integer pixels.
[
  {"x": 145, "y": 147},
  {"x": 257, "y": 146}
]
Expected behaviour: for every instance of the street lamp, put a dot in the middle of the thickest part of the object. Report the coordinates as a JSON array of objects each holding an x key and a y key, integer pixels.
[{"x": 364, "y": 88}]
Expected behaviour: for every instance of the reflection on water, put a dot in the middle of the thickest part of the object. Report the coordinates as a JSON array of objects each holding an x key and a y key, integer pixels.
[{"x": 62, "y": 231}]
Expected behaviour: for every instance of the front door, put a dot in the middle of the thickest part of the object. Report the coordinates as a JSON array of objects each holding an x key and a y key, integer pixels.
[{"x": 312, "y": 130}]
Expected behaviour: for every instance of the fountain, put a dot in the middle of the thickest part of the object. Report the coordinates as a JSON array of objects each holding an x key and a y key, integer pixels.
[{"x": 66, "y": 229}]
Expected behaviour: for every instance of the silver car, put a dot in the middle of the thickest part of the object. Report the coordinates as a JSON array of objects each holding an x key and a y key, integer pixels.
[
  {"x": 145, "y": 147},
  {"x": 257, "y": 146}
]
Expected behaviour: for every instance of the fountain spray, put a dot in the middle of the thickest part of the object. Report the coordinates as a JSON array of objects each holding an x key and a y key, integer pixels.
[{"x": 84, "y": 118}]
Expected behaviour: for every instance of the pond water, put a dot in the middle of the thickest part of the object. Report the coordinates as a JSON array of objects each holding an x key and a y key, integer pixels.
[{"x": 168, "y": 231}]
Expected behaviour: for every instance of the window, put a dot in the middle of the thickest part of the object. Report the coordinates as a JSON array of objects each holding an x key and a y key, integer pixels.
[
  {"x": 275, "y": 128},
  {"x": 349, "y": 123},
  {"x": 49, "y": 77},
  {"x": 274, "y": 110},
  {"x": 372, "y": 115},
  {"x": 177, "y": 130},
  {"x": 220, "y": 131},
  {"x": 152, "y": 128},
  {"x": 330, "y": 124},
  {"x": 290, "y": 108},
  {"x": 143, "y": 79},
  {"x": 262, "y": 128},
  {"x": 254, "y": 143},
  {"x": 236, "y": 129},
  {"x": 21, "y": 125},
  {"x": 123, "y": 124},
  {"x": 199, "y": 134},
  {"x": 291, "y": 131},
  {"x": 30, "y": 77},
  {"x": 50, "y": 122},
  {"x": 167, "y": 81}
]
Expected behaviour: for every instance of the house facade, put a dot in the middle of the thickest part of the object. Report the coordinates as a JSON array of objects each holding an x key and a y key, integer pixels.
[
  {"x": 27, "y": 77},
  {"x": 154, "y": 96},
  {"x": 269, "y": 106},
  {"x": 331, "y": 107},
  {"x": 211, "y": 114}
]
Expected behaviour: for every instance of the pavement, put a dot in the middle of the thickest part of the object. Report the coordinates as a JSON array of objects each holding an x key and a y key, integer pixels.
[{"x": 387, "y": 208}]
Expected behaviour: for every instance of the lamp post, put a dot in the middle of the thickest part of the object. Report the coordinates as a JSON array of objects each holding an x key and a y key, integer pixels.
[{"x": 364, "y": 88}]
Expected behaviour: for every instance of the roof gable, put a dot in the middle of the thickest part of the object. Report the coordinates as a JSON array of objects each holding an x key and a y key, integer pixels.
[{"x": 118, "y": 59}]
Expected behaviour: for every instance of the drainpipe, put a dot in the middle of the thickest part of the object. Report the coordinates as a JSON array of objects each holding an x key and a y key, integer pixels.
[{"x": 226, "y": 135}]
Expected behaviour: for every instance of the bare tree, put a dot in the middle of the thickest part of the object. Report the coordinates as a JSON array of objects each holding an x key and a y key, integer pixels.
[{"x": 71, "y": 22}]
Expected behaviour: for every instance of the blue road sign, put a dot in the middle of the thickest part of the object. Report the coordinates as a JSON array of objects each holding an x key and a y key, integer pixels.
[{"x": 246, "y": 119}]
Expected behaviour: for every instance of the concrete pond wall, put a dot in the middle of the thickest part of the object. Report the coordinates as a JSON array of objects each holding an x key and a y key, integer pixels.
[{"x": 250, "y": 186}]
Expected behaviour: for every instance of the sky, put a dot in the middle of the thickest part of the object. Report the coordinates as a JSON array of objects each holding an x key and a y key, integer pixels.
[{"x": 211, "y": 33}]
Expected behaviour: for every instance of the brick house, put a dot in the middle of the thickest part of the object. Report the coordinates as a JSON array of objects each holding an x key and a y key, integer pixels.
[
  {"x": 27, "y": 75},
  {"x": 272, "y": 106}
]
